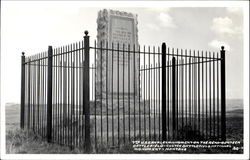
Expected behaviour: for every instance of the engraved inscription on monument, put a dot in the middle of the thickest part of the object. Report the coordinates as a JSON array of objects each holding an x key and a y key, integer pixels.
[
  {"x": 118, "y": 29},
  {"x": 122, "y": 32}
]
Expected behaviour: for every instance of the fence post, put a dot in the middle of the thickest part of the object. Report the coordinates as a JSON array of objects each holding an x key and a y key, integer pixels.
[
  {"x": 173, "y": 93},
  {"x": 223, "y": 95},
  {"x": 164, "y": 130},
  {"x": 49, "y": 95},
  {"x": 22, "y": 90},
  {"x": 87, "y": 144}
]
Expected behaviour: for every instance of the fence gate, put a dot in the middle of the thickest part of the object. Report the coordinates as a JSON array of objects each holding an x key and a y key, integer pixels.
[{"x": 109, "y": 95}]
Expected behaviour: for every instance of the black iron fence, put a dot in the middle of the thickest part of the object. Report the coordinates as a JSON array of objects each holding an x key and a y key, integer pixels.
[{"x": 128, "y": 93}]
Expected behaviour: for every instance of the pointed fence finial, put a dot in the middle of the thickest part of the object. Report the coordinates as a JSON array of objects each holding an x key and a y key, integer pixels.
[
  {"x": 23, "y": 53},
  {"x": 86, "y": 33},
  {"x": 163, "y": 47}
]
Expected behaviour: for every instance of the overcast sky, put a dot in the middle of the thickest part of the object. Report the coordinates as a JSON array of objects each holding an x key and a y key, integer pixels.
[{"x": 32, "y": 26}]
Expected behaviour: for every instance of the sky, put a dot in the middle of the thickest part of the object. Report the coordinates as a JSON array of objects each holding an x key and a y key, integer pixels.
[{"x": 33, "y": 26}]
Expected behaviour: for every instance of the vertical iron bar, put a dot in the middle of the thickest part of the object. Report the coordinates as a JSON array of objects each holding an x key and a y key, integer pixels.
[
  {"x": 59, "y": 96},
  {"x": 71, "y": 102},
  {"x": 107, "y": 93},
  {"x": 33, "y": 93},
  {"x": 123, "y": 101},
  {"x": 45, "y": 94},
  {"x": 206, "y": 99},
  {"x": 77, "y": 94},
  {"x": 73, "y": 95},
  {"x": 42, "y": 93},
  {"x": 56, "y": 98},
  {"x": 151, "y": 97},
  {"x": 101, "y": 50},
  {"x": 44, "y": 122},
  {"x": 49, "y": 95},
  {"x": 164, "y": 138},
  {"x": 159, "y": 94},
  {"x": 149, "y": 92},
  {"x": 194, "y": 92},
  {"x": 66, "y": 92},
  {"x": 154, "y": 91},
  {"x": 95, "y": 93},
  {"x": 202, "y": 96},
  {"x": 199, "y": 92},
  {"x": 112, "y": 94},
  {"x": 144, "y": 94},
  {"x": 139, "y": 94},
  {"x": 118, "y": 58},
  {"x": 38, "y": 95},
  {"x": 213, "y": 97},
  {"x": 80, "y": 93},
  {"x": 210, "y": 101},
  {"x": 173, "y": 95},
  {"x": 182, "y": 93},
  {"x": 22, "y": 90},
  {"x": 134, "y": 90},
  {"x": 176, "y": 92},
  {"x": 191, "y": 90},
  {"x": 129, "y": 92},
  {"x": 223, "y": 94},
  {"x": 25, "y": 95},
  {"x": 168, "y": 95},
  {"x": 29, "y": 90},
  {"x": 218, "y": 117},
  {"x": 186, "y": 88},
  {"x": 53, "y": 100},
  {"x": 123, "y": 93},
  {"x": 62, "y": 101},
  {"x": 190, "y": 97}
]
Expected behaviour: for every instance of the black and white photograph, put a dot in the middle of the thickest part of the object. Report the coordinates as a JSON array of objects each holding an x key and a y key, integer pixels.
[{"x": 125, "y": 79}]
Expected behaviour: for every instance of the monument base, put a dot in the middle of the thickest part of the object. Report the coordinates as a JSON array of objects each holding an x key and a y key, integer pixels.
[{"x": 123, "y": 107}]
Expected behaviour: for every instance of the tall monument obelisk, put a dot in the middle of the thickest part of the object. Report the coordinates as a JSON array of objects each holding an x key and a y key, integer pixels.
[{"x": 117, "y": 71}]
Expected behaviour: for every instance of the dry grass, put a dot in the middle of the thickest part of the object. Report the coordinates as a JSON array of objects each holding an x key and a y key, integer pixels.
[
  {"x": 21, "y": 141},
  {"x": 25, "y": 142}
]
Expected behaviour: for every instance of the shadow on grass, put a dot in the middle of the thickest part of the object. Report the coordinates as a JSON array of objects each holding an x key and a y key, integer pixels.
[{"x": 188, "y": 133}]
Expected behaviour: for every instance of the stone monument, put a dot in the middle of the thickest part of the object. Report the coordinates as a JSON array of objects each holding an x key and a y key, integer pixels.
[{"x": 113, "y": 28}]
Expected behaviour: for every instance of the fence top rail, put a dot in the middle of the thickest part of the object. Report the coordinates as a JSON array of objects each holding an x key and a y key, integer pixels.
[
  {"x": 180, "y": 63},
  {"x": 124, "y": 48},
  {"x": 71, "y": 48},
  {"x": 174, "y": 54}
]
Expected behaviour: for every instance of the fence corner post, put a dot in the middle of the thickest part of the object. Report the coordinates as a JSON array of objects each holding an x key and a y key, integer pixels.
[
  {"x": 49, "y": 95},
  {"x": 22, "y": 90},
  {"x": 223, "y": 94},
  {"x": 164, "y": 131},
  {"x": 87, "y": 145}
]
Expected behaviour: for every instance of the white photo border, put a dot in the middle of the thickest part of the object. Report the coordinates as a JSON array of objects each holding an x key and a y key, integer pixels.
[{"x": 245, "y": 155}]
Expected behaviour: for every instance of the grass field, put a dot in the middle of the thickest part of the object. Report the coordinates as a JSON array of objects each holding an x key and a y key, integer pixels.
[{"x": 19, "y": 141}]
